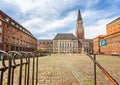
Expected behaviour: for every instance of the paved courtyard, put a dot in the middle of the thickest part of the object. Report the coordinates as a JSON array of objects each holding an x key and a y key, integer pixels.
[
  {"x": 76, "y": 70},
  {"x": 72, "y": 70}
]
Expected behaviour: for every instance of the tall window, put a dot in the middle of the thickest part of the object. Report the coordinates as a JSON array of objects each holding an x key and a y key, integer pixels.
[
  {"x": 0, "y": 30},
  {"x": 7, "y": 37},
  {"x": 0, "y": 38},
  {"x": 13, "y": 40},
  {"x": 0, "y": 22}
]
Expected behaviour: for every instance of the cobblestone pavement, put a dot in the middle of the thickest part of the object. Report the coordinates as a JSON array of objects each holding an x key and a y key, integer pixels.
[{"x": 74, "y": 70}]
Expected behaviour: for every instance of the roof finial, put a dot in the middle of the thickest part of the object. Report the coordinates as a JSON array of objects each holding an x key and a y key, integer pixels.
[{"x": 79, "y": 15}]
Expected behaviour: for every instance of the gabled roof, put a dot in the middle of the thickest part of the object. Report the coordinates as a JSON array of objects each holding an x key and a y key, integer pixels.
[
  {"x": 45, "y": 40},
  {"x": 65, "y": 36}
]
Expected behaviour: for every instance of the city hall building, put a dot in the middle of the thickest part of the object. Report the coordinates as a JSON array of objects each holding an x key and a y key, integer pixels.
[
  {"x": 68, "y": 43},
  {"x": 14, "y": 37},
  {"x": 65, "y": 43},
  {"x": 110, "y": 43}
]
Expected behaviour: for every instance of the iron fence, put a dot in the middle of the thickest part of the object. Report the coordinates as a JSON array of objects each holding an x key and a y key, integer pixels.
[
  {"x": 22, "y": 61},
  {"x": 93, "y": 58}
]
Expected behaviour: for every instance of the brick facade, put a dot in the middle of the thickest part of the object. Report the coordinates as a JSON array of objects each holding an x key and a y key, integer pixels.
[
  {"x": 96, "y": 44},
  {"x": 113, "y": 26},
  {"x": 14, "y": 37},
  {"x": 45, "y": 44},
  {"x": 112, "y": 39}
]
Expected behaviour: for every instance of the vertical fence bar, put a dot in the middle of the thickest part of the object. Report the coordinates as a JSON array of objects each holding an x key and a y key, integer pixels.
[
  {"x": 33, "y": 70},
  {"x": 20, "y": 73},
  {"x": 95, "y": 70},
  {"x": 1, "y": 79},
  {"x": 12, "y": 75},
  {"x": 25, "y": 73},
  {"x": 28, "y": 69},
  {"x": 36, "y": 69},
  {"x": 9, "y": 70}
]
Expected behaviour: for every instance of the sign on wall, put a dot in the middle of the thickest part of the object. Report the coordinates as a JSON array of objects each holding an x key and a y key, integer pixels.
[{"x": 103, "y": 42}]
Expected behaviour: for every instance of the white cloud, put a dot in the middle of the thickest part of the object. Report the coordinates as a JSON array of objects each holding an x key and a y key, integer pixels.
[
  {"x": 99, "y": 28},
  {"x": 46, "y": 26},
  {"x": 44, "y": 18}
]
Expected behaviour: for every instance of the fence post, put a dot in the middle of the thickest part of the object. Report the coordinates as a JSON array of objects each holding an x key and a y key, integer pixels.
[{"x": 94, "y": 69}]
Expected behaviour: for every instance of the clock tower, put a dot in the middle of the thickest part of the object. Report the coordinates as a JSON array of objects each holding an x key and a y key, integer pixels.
[{"x": 79, "y": 27}]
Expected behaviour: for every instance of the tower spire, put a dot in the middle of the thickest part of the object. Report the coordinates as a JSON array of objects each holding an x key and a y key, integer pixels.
[
  {"x": 79, "y": 16},
  {"x": 79, "y": 27}
]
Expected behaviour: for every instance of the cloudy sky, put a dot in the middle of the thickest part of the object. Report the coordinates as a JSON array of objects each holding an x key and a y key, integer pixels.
[{"x": 45, "y": 18}]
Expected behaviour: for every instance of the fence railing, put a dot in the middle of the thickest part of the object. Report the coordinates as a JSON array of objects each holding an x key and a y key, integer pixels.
[
  {"x": 27, "y": 73},
  {"x": 93, "y": 58}
]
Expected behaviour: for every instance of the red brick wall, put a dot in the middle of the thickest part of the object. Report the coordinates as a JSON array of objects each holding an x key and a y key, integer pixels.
[{"x": 22, "y": 40}]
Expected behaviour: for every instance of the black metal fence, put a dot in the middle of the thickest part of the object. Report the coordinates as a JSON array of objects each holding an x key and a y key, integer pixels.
[
  {"x": 93, "y": 58},
  {"x": 18, "y": 67}
]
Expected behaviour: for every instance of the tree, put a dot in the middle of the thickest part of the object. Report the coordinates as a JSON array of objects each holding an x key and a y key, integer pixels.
[{"x": 39, "y": 50}]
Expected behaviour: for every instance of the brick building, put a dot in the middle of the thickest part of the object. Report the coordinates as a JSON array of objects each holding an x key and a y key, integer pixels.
[
  {"x": 45, "y": 44},
  {"x": 110, "y": 43},
  {"x": 14, "y": 36},
  {"x": 84, "y": 45},
  {"x": 96, "y": 44}
]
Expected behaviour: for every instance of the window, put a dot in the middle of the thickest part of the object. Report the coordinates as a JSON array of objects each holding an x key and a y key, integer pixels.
[
  {"x": 0, "y": 30},
  {"x": 7, "y": 26},
  {"x": 7, "y": 31},
  {"x": 13, "y": 23},
  {"x": 7, "y": 19},
  {"x": 17, "y": 41},
  {"x": 20, "y": 28},
  {"x": 7, "y": 37},
  {"x": 17, "y": 26},
  {"x": 13, "y": 40},
  {"x": 0, "y": 38},
  {"x": 0, "y": 22}
]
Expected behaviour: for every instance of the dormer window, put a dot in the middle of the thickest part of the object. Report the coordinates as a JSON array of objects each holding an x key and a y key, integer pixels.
[
  {"x": 7, "y": 19},
  {"x": 20, "y": 28},
  {"x": 17, "y": 26},
  {"x": 13, "y": 23}
]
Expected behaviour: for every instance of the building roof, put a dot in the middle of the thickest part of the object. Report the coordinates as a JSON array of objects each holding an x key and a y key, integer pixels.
[
  {"x": 6, "y": 16},
  {"x": 65, "y": 36},
  {"x": 45, "y": 40},
  {"x": 114, "y": 21},
  {"x": 100, "y": 36},
  {"x": 79, "y": 16}
]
